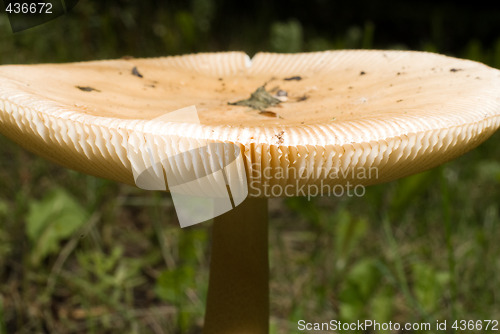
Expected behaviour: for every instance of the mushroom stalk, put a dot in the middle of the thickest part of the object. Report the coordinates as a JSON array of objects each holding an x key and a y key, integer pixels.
[{"x": 238, "y": 291}]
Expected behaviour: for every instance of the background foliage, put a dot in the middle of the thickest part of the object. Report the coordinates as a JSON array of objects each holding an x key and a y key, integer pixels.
[{"x": 85, "y": 255}]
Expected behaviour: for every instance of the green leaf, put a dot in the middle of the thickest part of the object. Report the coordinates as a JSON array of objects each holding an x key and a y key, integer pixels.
[
  {"x": 171, "y": 282},
  {"x": 51, "y": 220},
  {"x": 382, "y": 305},
  {"x": 361, "y": 284},
  {"x": 349, "y": 231},
  {"x": 429, "y": 285}
]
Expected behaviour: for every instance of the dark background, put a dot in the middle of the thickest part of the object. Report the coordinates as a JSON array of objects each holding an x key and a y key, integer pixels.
[
  {"x": 110, "y": 258},
  {"x": 105, "y": 29}
]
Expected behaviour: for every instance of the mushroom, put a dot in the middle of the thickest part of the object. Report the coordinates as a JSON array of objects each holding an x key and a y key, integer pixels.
[{"x": 351, "y": 118}]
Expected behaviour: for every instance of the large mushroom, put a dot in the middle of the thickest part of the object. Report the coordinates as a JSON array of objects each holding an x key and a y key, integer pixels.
[{"x": 302, "y": 124}]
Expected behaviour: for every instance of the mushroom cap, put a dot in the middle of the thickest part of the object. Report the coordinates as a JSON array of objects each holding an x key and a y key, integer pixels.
[{"x": 358, "y": 117}]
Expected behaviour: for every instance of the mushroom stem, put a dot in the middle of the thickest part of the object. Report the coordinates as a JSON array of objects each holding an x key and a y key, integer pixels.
[{"x": 238, "y": 290}]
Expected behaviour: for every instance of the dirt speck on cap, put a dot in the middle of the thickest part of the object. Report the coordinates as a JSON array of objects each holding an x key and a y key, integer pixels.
[
  {"x": 295, "y": 77},
  {"x": 136, "y": 72},
  {"x": 268, "y": 113},
  {"x": 87, "y": 89},
  {"x": 302, "y": 98},
  {"x": 280, "y": 138}
]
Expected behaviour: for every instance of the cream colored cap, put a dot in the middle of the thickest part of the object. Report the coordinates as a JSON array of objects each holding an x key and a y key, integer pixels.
[{"x": 345, "y": 113}]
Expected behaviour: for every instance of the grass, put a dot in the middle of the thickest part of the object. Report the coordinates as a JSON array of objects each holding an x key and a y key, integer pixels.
[
  {"x": 419, "y": 249},
  {"x": 86, "y": 255}
]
